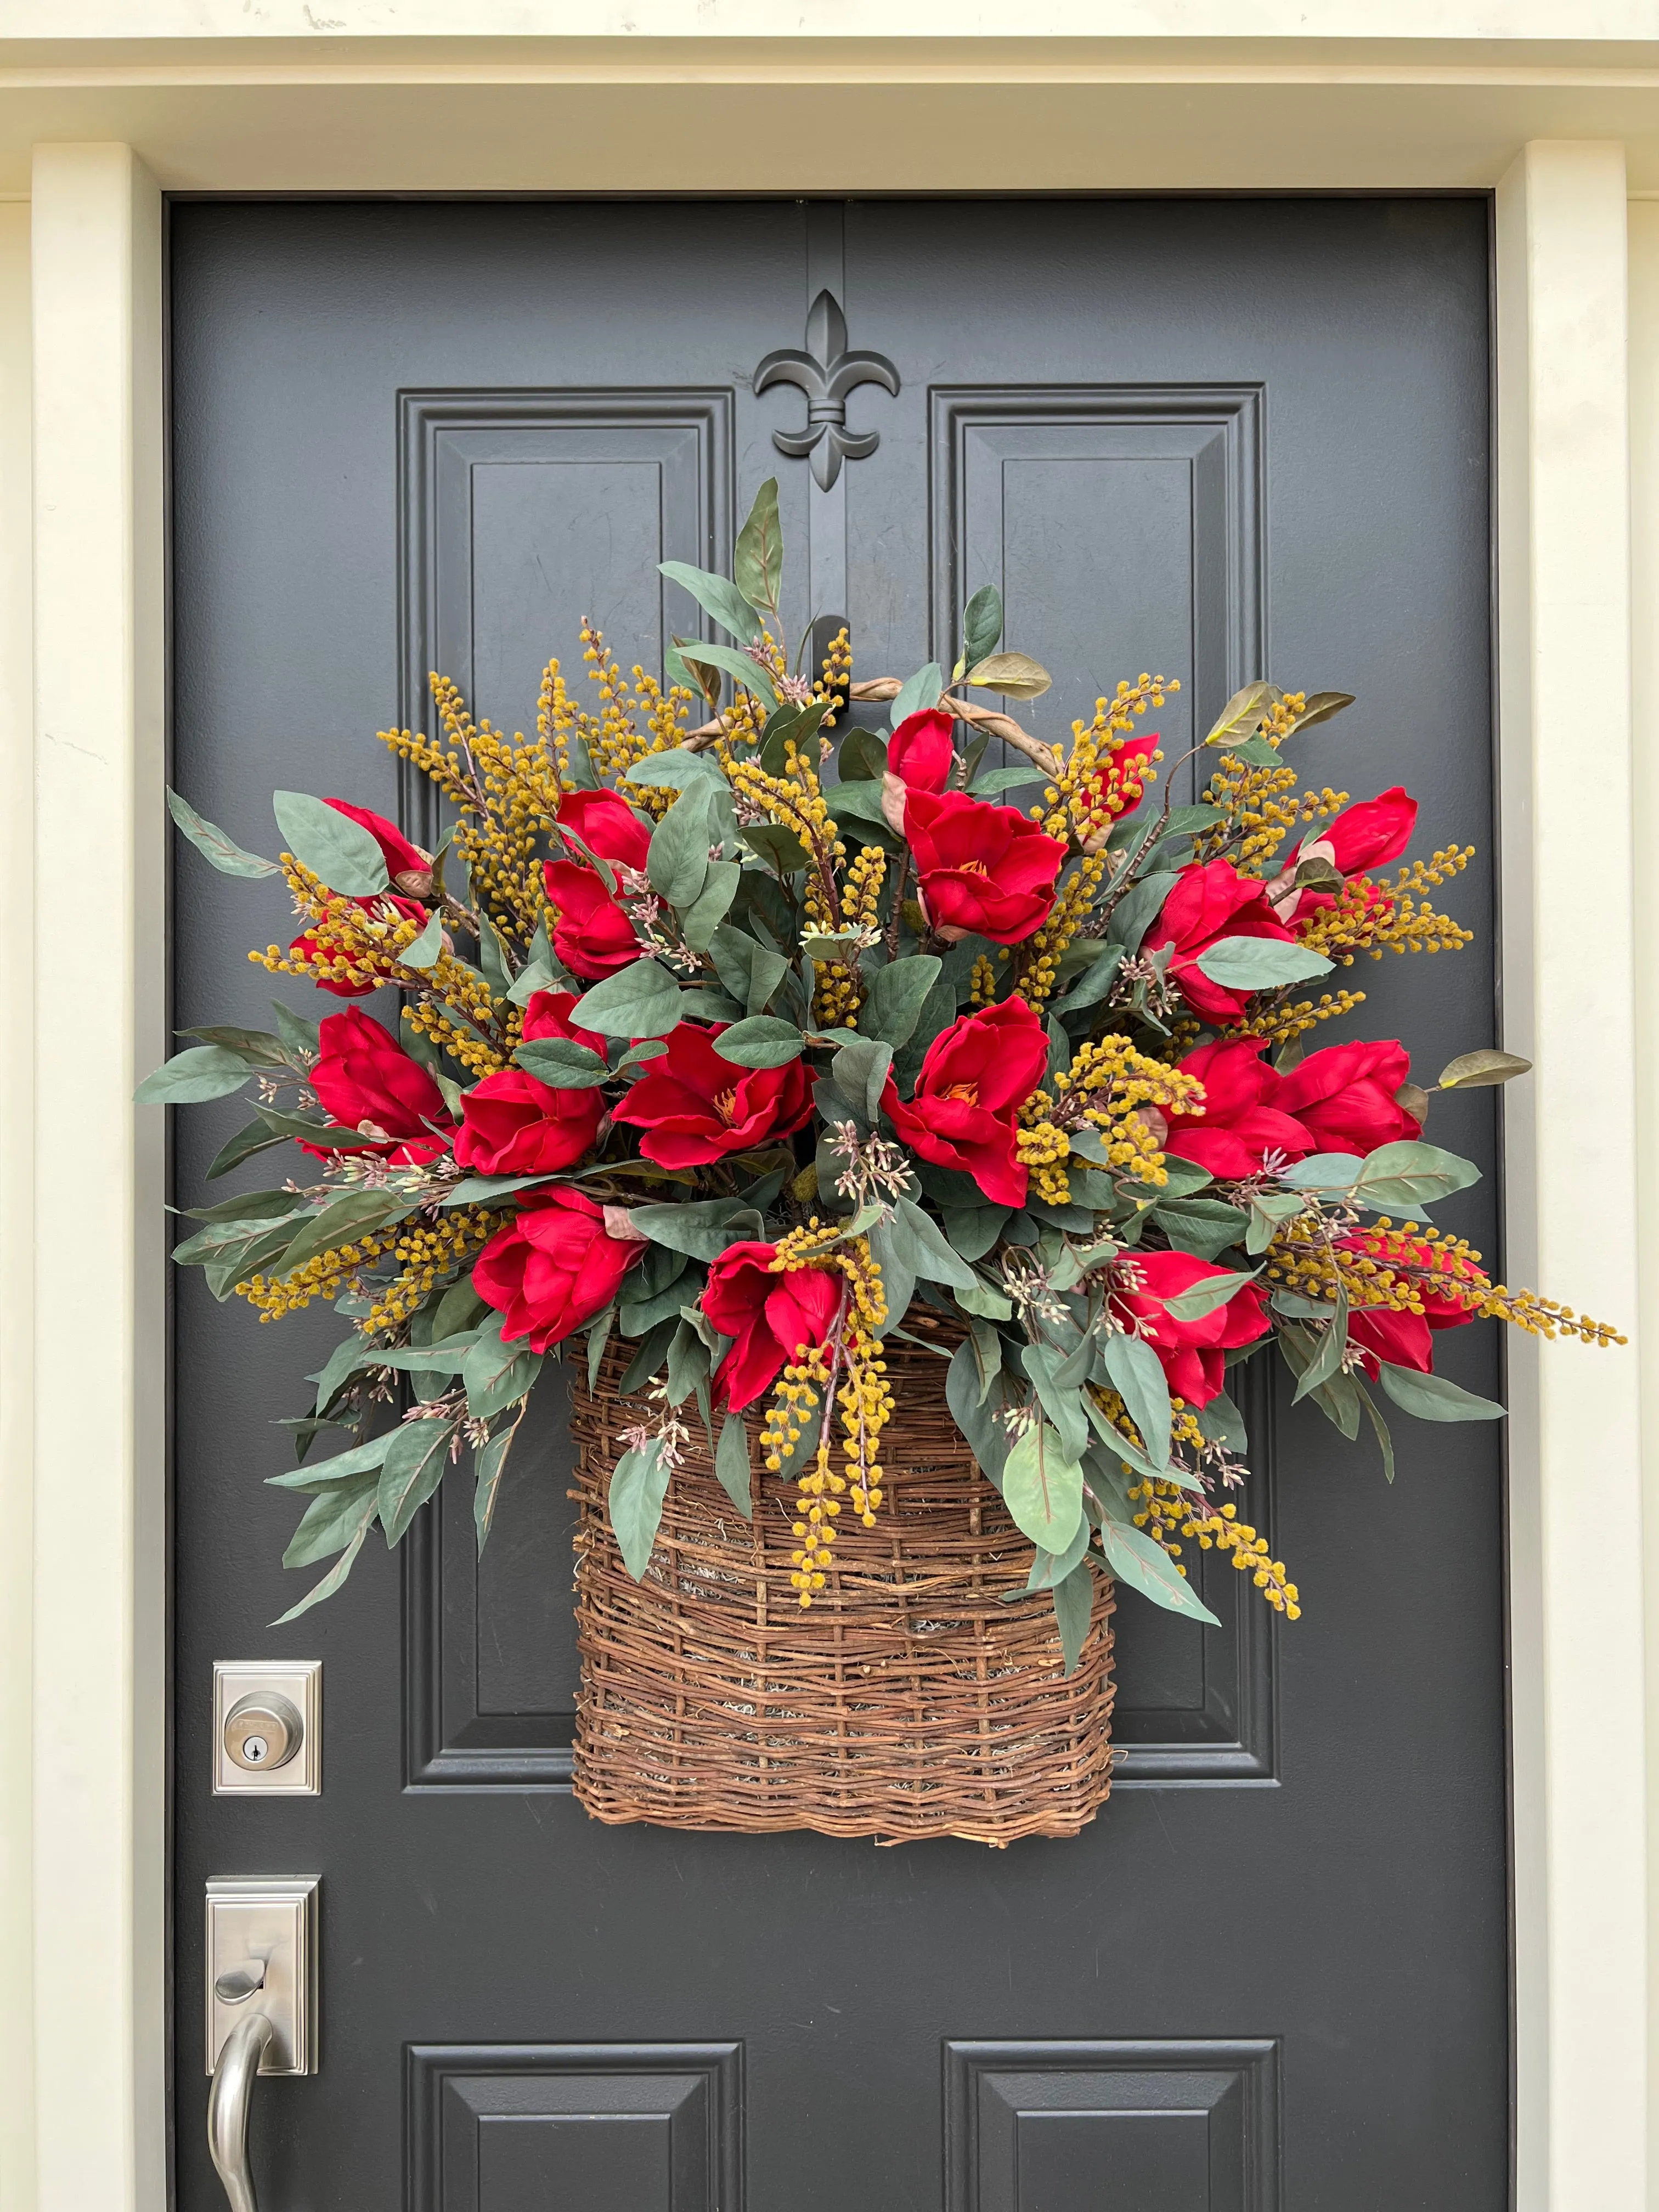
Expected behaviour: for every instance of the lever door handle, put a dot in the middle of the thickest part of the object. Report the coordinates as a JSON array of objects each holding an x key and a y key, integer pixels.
[{"x": 228, "y": 2098}]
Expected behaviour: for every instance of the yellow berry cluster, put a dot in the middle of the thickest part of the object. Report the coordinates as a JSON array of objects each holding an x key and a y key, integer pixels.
[
  {"x": 323, "y": 1277},
  {"x": 836, "y": 675},
  {"x": 982, "y": 982},
  {"x": 424, "y": 1253},
  {"x": 1393, "y": 917},
  {"x": 1169, "y": 1511},
  {"x": 1044, "y": 1149},
  {"x": 1282, "y": 1025},
  {"x": 1091, "y": 788},
  {"x": 354, "y": 942},
  {"x": 1042, "y": 951},
  {"x": 1107, "y": 1085}
]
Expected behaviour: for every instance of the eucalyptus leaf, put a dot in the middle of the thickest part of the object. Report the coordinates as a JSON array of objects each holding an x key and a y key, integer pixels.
[
  {"x": 717, "y": 596},
  {"x": 344, "y": 1467},
  {"x": 1331, "y": 1344},
  {"x": 1042, "y": 1487},
  {"x": 336, "y": 1574},
  {"x": 761, "y": 1041},
  {"x": 253, "y": 1137},
  {"x": 1049, "y": 1568},
  {"x": 758, "y": 559},
  {"x": 1096, "y": 980},
  {"x": 701, "y": 1230},
  {"x": 742, "y": 666},
  {"x": 917, "y": 693},
  {"x": 339, "y": 852},
  {"x": 413, "y": 1468},
  {"x": 640, "y": 1001},
  {"x": 732, "y": 1466},
  {"x": 333, "y": 1517},
  {"x": 1205, "y": 1295},
  {"x": 1259, "y": 964},
  {"x": 1411, "y": 1175},
  {"x": 677, "y": 860},
  {"x": 921, "y": 1246},
  {"x": 1136, "y": 911},
  {"x": 1320, "y": 708},
  {"x": 495, "y": 1373},
  {"x": 422, "y": 953},
  {"x": 1139, "y": 1379},
  {"x": 1074, "y": 1604},
  {"x": 895, "y": 996},
  {"x": 967, "y": 1393},
  {"x": 678, "y": 768},
  {"x": 1434, "y": 1398},
  {"x": 200, "y": 1071},
  {"x": 639, "y": 1484},
  {"x": 211, "y": 842},
  {"x": 981, "y": 624},
  {"x": 713, "y": 903},
  {"x": 489, "y": 1465},
  {"x": 973, "y": 1229},
  {"x": 562, "y": 1063},
  {"x": 1135, "y": 1558}
]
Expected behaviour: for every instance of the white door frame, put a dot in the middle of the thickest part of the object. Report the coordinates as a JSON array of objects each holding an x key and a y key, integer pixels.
[{"x": 83, "y": 1435}]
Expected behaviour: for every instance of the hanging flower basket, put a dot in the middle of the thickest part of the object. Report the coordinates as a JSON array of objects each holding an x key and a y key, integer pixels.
[{"x": 927, "y": 1696}]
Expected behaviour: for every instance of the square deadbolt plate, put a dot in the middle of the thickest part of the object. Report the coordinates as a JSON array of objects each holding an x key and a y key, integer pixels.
[
  {"x": 273, "y": 1922},
  {"x": 301, "y": 1682}
]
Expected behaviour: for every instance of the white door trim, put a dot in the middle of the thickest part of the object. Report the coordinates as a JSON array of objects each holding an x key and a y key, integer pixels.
[{"x": 94, "y": 1305}]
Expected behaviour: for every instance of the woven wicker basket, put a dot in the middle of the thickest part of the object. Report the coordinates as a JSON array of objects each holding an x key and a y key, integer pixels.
[{"x": 917, "y": 1697}]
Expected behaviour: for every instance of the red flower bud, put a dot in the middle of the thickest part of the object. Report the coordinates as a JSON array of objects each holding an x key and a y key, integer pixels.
[
  {"x": 553, "y": 1267},
  {"x": 920, "y": 751},
  {"x": 363, "y": 1074},
  {"x": 1192, "y": 1353},
  {"x": 769, "y": 1317}
]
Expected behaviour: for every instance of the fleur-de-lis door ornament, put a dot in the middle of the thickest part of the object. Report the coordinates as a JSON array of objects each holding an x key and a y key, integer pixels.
[{"x": 826, "y": 372}]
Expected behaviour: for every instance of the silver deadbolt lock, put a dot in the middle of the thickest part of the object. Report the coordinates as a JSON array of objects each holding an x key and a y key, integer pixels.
[
  {"x": 267, "y": 1727},
  {"x": 263, "y": 1730}
]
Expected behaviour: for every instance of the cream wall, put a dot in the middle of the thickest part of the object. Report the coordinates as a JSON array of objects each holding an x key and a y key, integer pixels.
[{"x": 105, "y": 103}]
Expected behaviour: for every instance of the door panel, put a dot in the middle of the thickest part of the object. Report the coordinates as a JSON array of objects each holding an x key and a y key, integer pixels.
[{"x": 1223, "y": 438}]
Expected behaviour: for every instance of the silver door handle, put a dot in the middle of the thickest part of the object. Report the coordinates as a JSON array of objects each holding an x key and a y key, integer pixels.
[{"x": 234, "y": 2078}]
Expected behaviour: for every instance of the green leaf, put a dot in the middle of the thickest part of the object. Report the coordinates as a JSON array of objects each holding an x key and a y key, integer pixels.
[
  {"x": 1016, "y": 675},
  {"x": 855, "y": 802},
  {"x": 899, "y": 1279},
  {"x": 562, "y": 1063},
  {"x": 1096, "y": 980},
  {"x": 480, "y": 1190},
  {"x": 638, "y": 1487},
  {"x": 332, "y": 1519},
  {"x": 973, "y": 1229},
  {"x": 215, "y": 847},
  {"x": 741, "y": 666},
  {"x": 411, "y": 1470},
  {"x": 1332, "y": 1343},
  {"x": 1074, "y": 1606},
  {"x": 757, "y": 561},
  {"x": 717, "y": 596},
  {"x": 996, "y": 781},
  {"x": 677, "y": 860},
  {"x": 1135, "y": 1558},
  {"x": 896, "y": 995},
  {"x": 750, "y": 971},
  {"x": 922, "y": 1248},
  {"x": 861, "y": 1066},
  {"x": 966, "y": 1392},
  {"x": 1140, "y": 1382},
  {"x": 701, "y": 1230},
  {"x": 731, "y": 1463},
  {"x": 423, "y": 952},
  {"x": 979, "y": 1297},
  {"x": 1385, "y": 1441},
  {"x": 338, "y": 851},
  {"x": 256, "y": 1047},
  {"x": 1204, "y": 1297},
  {"x": 1268, "y": 1211},
  {"x": 489, "y": 1466},
  {"x": 1324, "y": 1171},
  {"x": 1488, "y": 1066},
  {"x": 1243, "y": 713},
  {"x": 861, "y": 757},
  {"x": 306, "y": 1131},
  {"x": 1321, "y": 706},
  {"x": 779, "y": 847},
  {"x": 221, "y": 1239},
  {"x": 677, "y": 769},
  {"x": 917, "y": 693},
  {"x": 1433, "y": 1398},
  {"x": 1259, "y": 964},
  {"x": 1139, "y": 908},
  {"x": 495, "y": 1373},
  {"x": 335, "y": 1576},
  {"x": 713, "y": 903},
  {"x": 1051, "y": 1568},
  {"x": 1222, "y": 1423},
  {"x": 342, "y": 1222},
  {"x": 981, "y": 624},
  {"x": 598, "y": 1335},
  {"x": 1203, "y": 1226},
  {"x": 639, "y": 1317},
  {"x": 761, "y": 1041},
  {"x": 1405, "y": 1176},
  {"x": 201, "y": 1071},
  {"x": 1043, "y": 1488},
  {"x": 344, "y": 1467},
  {"x": 640, "y": 1001},
  {"x": 303, "y": 1037},
  {"x": 253, "y": 1137},
  {"x": 1255, "y": 752}
]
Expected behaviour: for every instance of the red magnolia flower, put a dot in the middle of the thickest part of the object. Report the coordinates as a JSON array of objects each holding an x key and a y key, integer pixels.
[
  {"x": 1192, "y": 1353},
  {"x": 402, "y": 860},
  {"x": 1119, "y": 785},
  {"x": 920, "y": 751},
  {"x": 1211, "y": 900},
  {"x": 695, "y": 1107},
  {"x": 769, "y": 1317},
  {"x": 1344, "y": 1096},
  {"x": 553, "y": 1267},
  {"x": 363, "y": 1076},
  {"x": 1368, "y": 836},
  {"x": 984, "y": 870},
  {"x": 592, "y": 935},
  {"x": 607, "y": 825},
  {"x": 548, "y": 1015},
  {"x": 975, "y": 1076},
  {"x": 511, "y": 1124},
  {"x": 1240, "y": 1120}
]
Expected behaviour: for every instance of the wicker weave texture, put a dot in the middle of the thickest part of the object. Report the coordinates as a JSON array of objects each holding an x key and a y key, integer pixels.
[{"x": 915, "y": 1698}]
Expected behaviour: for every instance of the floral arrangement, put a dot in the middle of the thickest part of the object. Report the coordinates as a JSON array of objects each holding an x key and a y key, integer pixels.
[{"x": 730, "y": 1032}]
